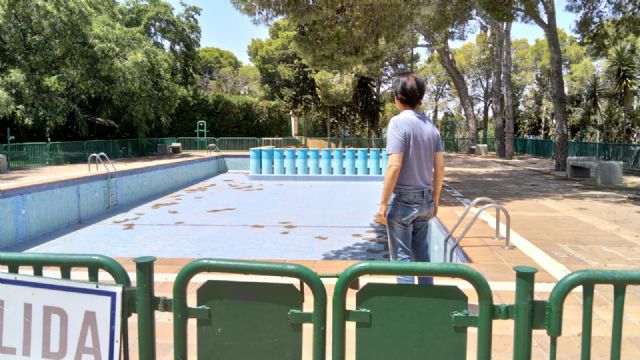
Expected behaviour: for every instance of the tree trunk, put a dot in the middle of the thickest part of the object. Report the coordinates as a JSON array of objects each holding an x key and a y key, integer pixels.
[
  {"x": 328, "y": 123},
  {"x": 304, "y": 127},
  {"x": 508, "y": 94},
  {"x": 485, "y": 120},
  {"x": 435, "y": 114},
  {"x": 559, "y": 97},
  {"x": 449, "y": 63},
  {"x": 496, "y": 50}
]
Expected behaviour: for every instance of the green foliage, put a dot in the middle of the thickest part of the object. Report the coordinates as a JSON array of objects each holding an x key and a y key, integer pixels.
[
  {"x": 283, "y": 73},
  {"x": 230, "y": 115},
  {"x": 67, "y": 63}
]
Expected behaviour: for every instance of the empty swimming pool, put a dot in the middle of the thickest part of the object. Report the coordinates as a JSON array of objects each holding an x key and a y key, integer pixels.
[{"x": 230, "y": 216}]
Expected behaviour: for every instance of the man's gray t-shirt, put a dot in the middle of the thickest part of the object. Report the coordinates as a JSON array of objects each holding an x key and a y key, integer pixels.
[{"x": 414, "y": 135}]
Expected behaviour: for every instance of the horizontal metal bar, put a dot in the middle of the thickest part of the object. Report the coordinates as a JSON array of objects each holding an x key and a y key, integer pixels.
[
  {"x": 300, "y": 317},
  {"x": 359, "y": 316}
]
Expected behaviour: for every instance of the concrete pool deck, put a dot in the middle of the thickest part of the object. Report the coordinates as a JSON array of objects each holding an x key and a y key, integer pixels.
[{"x": 575, "y": 224}]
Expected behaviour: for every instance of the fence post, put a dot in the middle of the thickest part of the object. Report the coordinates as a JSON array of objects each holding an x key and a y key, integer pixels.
[
  {"x": 145, "y": 307},
  {"x": 523, "y": 320}
]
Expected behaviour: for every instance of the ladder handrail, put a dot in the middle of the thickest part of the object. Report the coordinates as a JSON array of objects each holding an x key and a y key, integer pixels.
[
  {"x": 112, "y": 174},
  {"x": 98, "y": 159},
  {"x": 468, "y": 208},
  {"x": 213, "y": 148},
  {"x": 498, "y": 207},
  {"x": 101, "y": 155}
]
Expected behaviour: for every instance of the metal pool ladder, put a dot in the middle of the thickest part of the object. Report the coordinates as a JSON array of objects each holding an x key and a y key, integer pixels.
[
  {"x": 213, "y": 148},
  {"x": 112, "y": 175},
  {"x": 491, "y": 204}
]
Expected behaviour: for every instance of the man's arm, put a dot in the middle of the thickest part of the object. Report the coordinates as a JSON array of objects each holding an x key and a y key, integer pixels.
[
  {"x": 394, "y": 164},
  {"x": 438, "y": 179}
]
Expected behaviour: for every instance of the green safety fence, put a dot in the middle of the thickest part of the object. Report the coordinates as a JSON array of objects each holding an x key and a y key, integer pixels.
[
  {"x": 629, "y": 154},
  {"x": 536, "y": 147},
  {"x": 282, "y": 142},
  {"x": 195, "y": 143},
  {"x": 423, "y": 309},
  {"x": 237, "y": 143},
  {"x": 24, "y": 155},
  {"x": 239, "y": 319},
  {"x": 272, "y": 314}
]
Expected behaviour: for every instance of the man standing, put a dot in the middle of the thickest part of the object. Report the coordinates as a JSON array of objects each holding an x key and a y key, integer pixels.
[{"x": 415, "y": 171}]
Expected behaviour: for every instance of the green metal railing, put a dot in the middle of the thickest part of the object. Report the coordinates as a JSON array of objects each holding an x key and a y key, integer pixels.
[
  {"x": 370, "y": 315},
  {"x": 237, "y": 143},
  {"x": 620, "y": 279},
  {"x": 181, "y": 311},
  {"x": 629, "y": 154},
  {"x": 24, "y": 155},
  {"x": 479, "y": 283}
]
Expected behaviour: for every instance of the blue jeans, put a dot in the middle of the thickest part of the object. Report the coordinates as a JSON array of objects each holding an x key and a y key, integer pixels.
[{"x": 407, "y": 227}]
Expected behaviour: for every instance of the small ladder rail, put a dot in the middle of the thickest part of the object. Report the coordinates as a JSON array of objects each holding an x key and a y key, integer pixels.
[
  {"x": 213, "y": 148},
  {"x": 112, "y": 175},
  {"x": 491, "y": 204}
]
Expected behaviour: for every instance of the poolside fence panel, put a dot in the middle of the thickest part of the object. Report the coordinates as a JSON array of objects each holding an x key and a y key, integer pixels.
[
  {"x": 282, "y": 142},
  {"x": 238, "y": 143},
  {"x": 195, "y": 143},
  {"x": 448, "y": 307},
  {"x": 24, "y": 155}
]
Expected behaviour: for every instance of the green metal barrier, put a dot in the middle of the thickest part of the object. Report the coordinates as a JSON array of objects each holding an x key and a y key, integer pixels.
[
  {"x": 281, "y": 142},
  {"x": 458, "y": 319},
  {"x": 629, "y": 154},
  {"x": 93, "y": 264},
  {"x": 256, "y": 323},
  {"x": 237, "y": 143},
  {"x": 195, "y": 144},
  {"x": 588, "y": 279},
  {"x": 25, "y": 155}
]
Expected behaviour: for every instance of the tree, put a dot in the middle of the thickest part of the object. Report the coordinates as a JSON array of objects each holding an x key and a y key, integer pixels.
[
  {"x": 475, "y": 61},
  {"x": 594, "y": 97},
  {"x": 334, "y": 90},
  {"x": 543, "y": 14},
  {"x": 283, "y": 73},
  {"x": 623, "y": 71},
  {"x": 438, "y": 84},
  {"x": 66, "y": 64},
  {"x": 348, "y": 36},
  {"x": 602, "y": 24}
]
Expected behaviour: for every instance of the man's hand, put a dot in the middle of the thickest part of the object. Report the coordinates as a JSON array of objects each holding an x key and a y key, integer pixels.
[
  {"x": 381, "y": 216},
  {"x": 435, "y": 208}
]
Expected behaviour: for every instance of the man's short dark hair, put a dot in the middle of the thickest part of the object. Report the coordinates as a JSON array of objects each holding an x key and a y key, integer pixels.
[{"x": 409, "y": 89}]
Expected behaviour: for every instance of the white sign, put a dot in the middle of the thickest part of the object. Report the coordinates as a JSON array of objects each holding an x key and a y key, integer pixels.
[{"x": 42, "y": 318}]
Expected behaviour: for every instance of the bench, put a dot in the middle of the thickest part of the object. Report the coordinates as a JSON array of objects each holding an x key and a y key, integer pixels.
[
  {"x": 176, "y": 148},
  {"x": 605, "y": 172}
]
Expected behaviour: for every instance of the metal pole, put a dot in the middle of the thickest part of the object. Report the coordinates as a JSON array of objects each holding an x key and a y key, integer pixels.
[
  {"x": 523, "y": 321},
  {"x": 145, "y": 307}
]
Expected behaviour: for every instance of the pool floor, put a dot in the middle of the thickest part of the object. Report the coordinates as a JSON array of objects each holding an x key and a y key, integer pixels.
[{"x": 230, "y": 216}]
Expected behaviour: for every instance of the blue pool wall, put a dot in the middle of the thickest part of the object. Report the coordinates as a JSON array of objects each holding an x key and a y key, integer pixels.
[
  {"x": 350, "y": 161},
  {"x": 28, "y": 213}
]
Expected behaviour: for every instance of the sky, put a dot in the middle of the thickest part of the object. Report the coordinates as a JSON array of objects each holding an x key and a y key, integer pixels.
[{"x": 225, "y": 27}]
